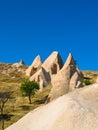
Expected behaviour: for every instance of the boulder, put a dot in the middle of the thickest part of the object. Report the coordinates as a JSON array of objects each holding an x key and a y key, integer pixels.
[
  {"x": 66, "y": 79},
  {"x": 53, "y": 63},
  {"x": 35, "y": 66},
  {"x": 42, "y": 77},
  {"x": 77, "y": 110}
]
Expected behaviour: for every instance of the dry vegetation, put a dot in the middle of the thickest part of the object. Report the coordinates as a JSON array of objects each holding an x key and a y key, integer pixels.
[
  {"x": 92, "y": 75},
  {"x": 16, "y": 107}
]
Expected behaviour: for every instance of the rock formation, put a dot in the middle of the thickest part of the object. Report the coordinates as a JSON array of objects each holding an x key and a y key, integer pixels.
[
  {"x": 97, "y": 79},
  {"x": 53, "y": 63},
  {"x": 42, "y": 73},
  {"x": 42, "y": 77},
  {"x": 67, "y": 79},
  {"x": 75, "y": 81},
  {"x": 77, "y": 110},
  {"x": 19, "y": 64},
  {"x": 36, "y": 65}
]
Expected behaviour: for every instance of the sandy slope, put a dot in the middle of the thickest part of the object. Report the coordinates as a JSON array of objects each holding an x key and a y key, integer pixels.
[{"x": 77, "y": 110}]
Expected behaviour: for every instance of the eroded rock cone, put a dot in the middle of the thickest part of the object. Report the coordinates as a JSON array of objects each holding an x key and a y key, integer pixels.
[
  {"x": 53, "y": 63},
  {"x": 18, "y": 64},
  {"x": 67, "y": 79},
  {"x": 42, "y": 77},
  {"x": 36, "y": 65}
]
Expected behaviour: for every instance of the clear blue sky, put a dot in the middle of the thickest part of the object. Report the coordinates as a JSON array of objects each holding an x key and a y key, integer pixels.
[{"x": 32, "y": 27}]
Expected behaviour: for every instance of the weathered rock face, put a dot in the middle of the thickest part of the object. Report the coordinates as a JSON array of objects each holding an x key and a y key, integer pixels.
[
  {"x": 19, "y": 64},
  {"x": 67, "y": 79},
  {"x": 75, "y": 81},
  {"x": 77, "y": 110},
  {"x": 42, "y": 77},
  {"x": 42, "y": 73},
  {"x": 53, "y": 63},
  {"x": 36, "y": 65},
  {"x": 97, "y": 79}
]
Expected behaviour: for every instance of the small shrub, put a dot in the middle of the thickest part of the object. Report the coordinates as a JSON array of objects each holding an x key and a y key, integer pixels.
[{"x": 86, "y": 81}]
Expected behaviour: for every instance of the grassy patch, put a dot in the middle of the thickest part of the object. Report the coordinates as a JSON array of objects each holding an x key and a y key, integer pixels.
[
  {"x": 19, "y": 106},
  {"x": 92, "y": 75}
]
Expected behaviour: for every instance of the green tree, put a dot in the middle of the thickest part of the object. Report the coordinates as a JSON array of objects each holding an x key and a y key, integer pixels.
[{"x": 28, "y": 88}]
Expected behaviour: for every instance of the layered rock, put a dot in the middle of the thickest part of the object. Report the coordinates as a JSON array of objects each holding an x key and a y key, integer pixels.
[
  {"x": 53, "y": 63},
  {"x": 42, "y": 77},
  {"x": 77, "y": 110},
  {"x": 35, "y": 66},
  {"x": 67, "y": 79}
]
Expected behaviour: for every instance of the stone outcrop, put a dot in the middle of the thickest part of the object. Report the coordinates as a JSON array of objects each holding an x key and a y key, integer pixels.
[
  {"x": 64, "y": 77},
  {"x": 18, "y": 64},
  {"x": 42, "y": 77},
  {"x": 21, "y": 62},
  {"x": 53, "y": 63},
  {"x": 77, "y": 110},
  {"x": 35, "y": 66},
  {"x": 67, "y": 79},
  {"x": 42, "y": 73}
]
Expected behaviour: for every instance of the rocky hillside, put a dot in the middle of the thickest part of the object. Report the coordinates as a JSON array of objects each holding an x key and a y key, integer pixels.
[
  {"x": 11, "y": 77},
  {"x": 12, "y": 72},
  {"x": 91, "y": 75}
]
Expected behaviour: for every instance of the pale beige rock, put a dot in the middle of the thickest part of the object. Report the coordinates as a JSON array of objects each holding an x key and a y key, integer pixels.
[
  {"x": 79, "y": 84},
  {"x": 21, "y": 62},
  {"x": 18, "y": 64},
  {"x": 42, "y": 77},
  {"x": 53, "y": 63},
  {"x": 50, "y": 67},
  {"x": 75, "y": 81},
  {"x": 65, "y": 80},
  {"x": 34, "y": 67},
  {"x": 60, "y": 84},
  {"x": 77, "y": 110},
  {"x": 97, "y": 79},
  {"x": 79, "y": 72}
]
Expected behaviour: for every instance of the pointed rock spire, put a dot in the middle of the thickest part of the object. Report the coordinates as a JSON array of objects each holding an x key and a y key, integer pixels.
[
  {"x": 66, "y": 79},
  {"x": 21, "y": 62},
  {"x": 34, "y": 66},
  {"x": 70, "y": 61},
  {"x": 53, "y": 63}
]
